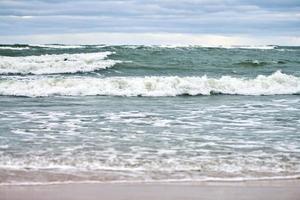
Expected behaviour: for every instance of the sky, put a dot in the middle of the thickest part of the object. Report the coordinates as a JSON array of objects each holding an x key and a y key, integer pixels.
[{"x": 173, "y": 22}]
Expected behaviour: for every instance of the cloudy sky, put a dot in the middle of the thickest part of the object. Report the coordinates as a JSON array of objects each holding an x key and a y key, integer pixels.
[{"x": 210, "y": 22}]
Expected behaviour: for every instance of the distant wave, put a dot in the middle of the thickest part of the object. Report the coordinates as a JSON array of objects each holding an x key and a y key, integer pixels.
[
  {"x": 257, "y": 63},
  {"x": 57, "y": 46},
  {"x": 275, "y": 84},
  {"x": 55, "y": 64},
  {"x": 13, "y": 48},
  {"x": 259, "y": 47},
  {"x": 65, "y": 46},
  {"x": 263, "y": 47}
]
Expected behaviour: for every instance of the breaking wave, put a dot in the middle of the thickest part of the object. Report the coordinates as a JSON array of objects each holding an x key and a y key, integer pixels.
[
  {"x": 13, "y": 48},
  {"x": 255, "y": 47},
  {"x": 274, "y": 84},
  {"x": 261, "y": 47},
  {"x": 55, "y": 64},
  {"x": 57, "y": 46}
]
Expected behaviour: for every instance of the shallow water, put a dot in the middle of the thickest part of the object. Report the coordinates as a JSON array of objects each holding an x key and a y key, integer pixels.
[{"x": 136, "y": 113}]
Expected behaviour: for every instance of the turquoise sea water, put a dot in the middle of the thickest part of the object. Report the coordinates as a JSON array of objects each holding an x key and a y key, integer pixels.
[{"x": 148, "y": 113}]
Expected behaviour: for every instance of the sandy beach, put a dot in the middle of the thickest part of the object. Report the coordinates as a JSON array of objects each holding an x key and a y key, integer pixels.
[{"x": 249, "y": 190}]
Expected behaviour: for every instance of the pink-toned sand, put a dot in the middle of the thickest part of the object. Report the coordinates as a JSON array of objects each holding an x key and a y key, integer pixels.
[{"x": 254, "y": 190}]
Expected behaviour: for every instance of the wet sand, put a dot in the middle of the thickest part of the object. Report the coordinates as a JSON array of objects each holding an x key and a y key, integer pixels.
[{"x": 250, "y": 190}]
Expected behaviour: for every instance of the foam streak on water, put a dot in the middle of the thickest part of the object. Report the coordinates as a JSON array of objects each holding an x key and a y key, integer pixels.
[{"x": 89, "y": 142}]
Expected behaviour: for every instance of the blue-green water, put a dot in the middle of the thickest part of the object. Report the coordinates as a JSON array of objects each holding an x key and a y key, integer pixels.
[{"x": 148, "y": 113}]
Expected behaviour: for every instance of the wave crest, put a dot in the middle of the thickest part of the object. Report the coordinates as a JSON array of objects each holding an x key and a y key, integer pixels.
[
  {"x": 277, "y": 83},
  {"x": 57, "y": 46},
  {"x": 13, "y": 48},
  {"x": 55, "y": 64}
]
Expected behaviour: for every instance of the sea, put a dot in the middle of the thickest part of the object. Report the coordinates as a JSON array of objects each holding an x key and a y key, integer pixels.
[{"x": 133, "y": 113}]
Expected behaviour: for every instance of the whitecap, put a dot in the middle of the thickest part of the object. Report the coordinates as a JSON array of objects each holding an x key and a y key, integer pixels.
[
  {"x": 55, "y": 64},
  {"x": 57, "y": 46},
  {"x": 13, "y": 48},
  {"x": 274, "y": 84},
  {"x": 262, "y": 47}
]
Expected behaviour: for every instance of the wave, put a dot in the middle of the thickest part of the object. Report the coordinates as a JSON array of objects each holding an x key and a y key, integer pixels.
[
  {"x": 255, "y": 47},
  {"x": 261, "y": 47},
  {"x": 55, "y": 64},
  {"x": 57, "y": 46},
  {"x": 274, "y": 84},
  {"x": 136, "y": 165},
  {"x": 13, "y": 48},
  {"x": 257, "y": 63},
  {"x": 174, "y": 46}
]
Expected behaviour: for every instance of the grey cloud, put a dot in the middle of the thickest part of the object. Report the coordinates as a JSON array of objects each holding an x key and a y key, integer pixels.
[{"x": 254, "y": 17}]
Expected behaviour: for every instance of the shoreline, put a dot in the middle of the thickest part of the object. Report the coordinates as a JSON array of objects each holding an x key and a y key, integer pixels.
[
  {"x": 245, "y": 190},
  {"x": 163, "y": 181}
]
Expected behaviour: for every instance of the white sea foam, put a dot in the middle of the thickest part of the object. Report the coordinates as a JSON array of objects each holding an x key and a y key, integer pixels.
[
  {"x": 142, "y": 166},
  {"x": 57, "y": 46},
  {"x": 277, "y": 83},
  {"x": 261, "y": 47},
  {"x": 54, "y": 64},
  {"x": 13, "y": 48}
]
